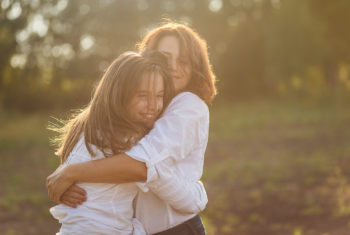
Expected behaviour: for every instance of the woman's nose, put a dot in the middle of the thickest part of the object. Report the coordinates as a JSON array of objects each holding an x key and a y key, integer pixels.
[{"x": 173, "y": 64}]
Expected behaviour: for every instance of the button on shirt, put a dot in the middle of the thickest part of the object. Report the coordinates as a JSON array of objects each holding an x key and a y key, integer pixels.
[{"x": 174, "y": 154}]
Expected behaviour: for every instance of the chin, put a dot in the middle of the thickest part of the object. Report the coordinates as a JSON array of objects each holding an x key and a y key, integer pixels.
[{"x": 149, "y": 124}]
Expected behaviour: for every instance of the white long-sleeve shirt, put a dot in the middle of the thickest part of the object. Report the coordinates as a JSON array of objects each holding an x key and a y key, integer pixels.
[
  {"x": 174, "y": 154},
  {"x": 108, "y": 209}
]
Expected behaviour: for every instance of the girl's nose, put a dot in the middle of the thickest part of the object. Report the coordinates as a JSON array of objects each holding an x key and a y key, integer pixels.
[{"x": 152, "y": 105}]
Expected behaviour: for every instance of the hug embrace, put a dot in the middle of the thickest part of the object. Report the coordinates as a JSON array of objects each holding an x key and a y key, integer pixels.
[{"x": 133, "y": 158}]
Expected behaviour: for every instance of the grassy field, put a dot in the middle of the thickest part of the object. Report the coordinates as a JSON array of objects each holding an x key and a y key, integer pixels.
[{"x": 271, "y": 169}]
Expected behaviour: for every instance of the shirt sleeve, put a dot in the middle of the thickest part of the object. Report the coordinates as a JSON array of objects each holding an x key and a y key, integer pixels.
[
  {"x": 184, "y": 196},
  {"x": 178, "y": 132},
  {"x": 181, "y": 129}
]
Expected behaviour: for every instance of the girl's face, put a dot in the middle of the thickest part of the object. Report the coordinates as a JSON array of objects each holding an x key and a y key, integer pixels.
[
  {"x": 147, "y": 103},
  {"x": 179, "y": 66}
]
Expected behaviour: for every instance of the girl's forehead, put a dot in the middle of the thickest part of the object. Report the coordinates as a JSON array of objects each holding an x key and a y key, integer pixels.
[{"x": 150, "y": 79}]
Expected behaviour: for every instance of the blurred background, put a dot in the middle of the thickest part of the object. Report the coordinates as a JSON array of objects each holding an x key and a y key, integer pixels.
[{"x": 279, "y": 150}]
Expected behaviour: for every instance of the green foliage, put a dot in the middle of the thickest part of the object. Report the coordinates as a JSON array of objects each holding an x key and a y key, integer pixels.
[
  {"x": 291, "y": 48},
  {"x": 17, "y": 132}
]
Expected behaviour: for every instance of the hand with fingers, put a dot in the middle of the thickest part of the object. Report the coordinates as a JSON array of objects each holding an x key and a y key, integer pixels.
[
  {"x": 58, "y": 182},
  {"x": 73, "y": 196}
]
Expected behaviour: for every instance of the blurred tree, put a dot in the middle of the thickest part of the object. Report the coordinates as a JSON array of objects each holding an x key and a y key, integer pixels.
[
  {"x": 52, "y": 51},
  {"x": 294, "y": 39},
  {"x": 335, "y": 15}
]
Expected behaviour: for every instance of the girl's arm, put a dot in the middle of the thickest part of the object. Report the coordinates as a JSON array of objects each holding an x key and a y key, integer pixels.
[{"x": 119, "y": 168}]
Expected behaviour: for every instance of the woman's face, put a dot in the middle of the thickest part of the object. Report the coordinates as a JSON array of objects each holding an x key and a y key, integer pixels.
[
  {"x": 147, "y": 103},
  {"x": 179, "y": 66}
]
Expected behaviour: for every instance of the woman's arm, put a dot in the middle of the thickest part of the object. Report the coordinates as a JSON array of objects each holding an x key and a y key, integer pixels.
[
  {"x": 119, "y": 168},
  {"x": 183, "y": 129},
  {"x": 183, "y": 195}
]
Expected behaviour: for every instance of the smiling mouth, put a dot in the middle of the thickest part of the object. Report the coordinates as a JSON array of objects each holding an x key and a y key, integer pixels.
[
  {"x": 149, "y": 116},
  {"x": 175, "y": 77}
]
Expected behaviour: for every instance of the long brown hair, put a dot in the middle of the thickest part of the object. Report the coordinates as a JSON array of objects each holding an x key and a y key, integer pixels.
[
  {"x": 105, "y": 122},
  {"x": 202, "y": 80}
]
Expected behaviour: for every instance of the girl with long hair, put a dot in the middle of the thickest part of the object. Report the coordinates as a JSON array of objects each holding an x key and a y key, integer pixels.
[
  {"x": 125, "y": 104},
  {"x": 169, "y": 159}
]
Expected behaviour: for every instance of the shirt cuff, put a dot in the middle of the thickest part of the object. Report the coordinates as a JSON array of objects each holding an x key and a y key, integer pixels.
[
  {"x": 138, "y": 153},
  {"x": 159, "y": 170}
]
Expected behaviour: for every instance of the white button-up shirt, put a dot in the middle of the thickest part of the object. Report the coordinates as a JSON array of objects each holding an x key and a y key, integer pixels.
[
  {"x": 174, "y": 154},
  {"x": 108, "y": 209}
]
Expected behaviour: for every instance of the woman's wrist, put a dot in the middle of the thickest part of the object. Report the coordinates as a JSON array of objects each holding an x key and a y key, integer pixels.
[{"x": 70, "y": 172}]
